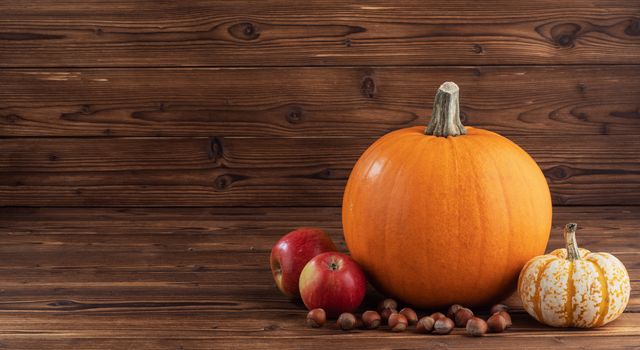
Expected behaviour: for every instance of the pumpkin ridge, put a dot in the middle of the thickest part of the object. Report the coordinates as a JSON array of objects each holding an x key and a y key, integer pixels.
[
  {"x": 401, "y": 148},
  {"x": 537, "y": 300},
  {"x": 479, "y": 141},
  {"x": 604, "y": 289},
  {"x": 571, "y": 292},
  {"x": 456, "y": 172}
]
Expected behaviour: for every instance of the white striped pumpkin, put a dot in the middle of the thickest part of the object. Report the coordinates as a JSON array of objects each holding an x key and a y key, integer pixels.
[{"x": 573, "y": 287}]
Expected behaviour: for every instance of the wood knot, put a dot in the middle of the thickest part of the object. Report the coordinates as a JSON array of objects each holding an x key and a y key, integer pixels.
[
  {"x": 559, "y": 172},
  {"x": 53, "y": 157},
  {"x": 98, "y": 31},
  {"x": 245, "y": 31},
  {"x": 633, "y": 29},
  {"x": 271, "y": 327},
  {"x": 582, "y": 88},
  {"x": 368, "y": 87},
  {"x": 222, "y": 182},
  {"x": 216, "y": 150},
  {"x": 295, "y": 115},
  {"x": 477, "y": 48},
  {"x": 11, "y": 118},
  {"x": 347, "y": 42},
  {"x": 198, "y": 268},
  {"x": 85, "y": 109},
  {"x": 565, "y": 41},
  {"x": 163, "y": 106},
  {"x": 324, "y": 174},
  {"x": 565, "y": 34},
  {"x": 582, "y": 116},
  {"x": 62, "y": 303}
]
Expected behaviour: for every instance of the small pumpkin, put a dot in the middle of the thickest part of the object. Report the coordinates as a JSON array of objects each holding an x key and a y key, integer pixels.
[
  {"x": 448, "y": 214},
  {"x": 573, "y": 287}
]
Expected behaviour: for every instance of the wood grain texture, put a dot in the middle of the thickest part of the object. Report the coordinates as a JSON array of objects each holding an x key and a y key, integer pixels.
[
  {"x": 591, "y": 170},
  {"x": 163, "y": 278},
  {"x": 323, "y": 32},
  {"x": 313, "y": 102}
]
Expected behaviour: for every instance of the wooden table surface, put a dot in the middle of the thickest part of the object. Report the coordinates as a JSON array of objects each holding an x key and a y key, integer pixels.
[
  {"x": 199, "y": 278},
  {"x": 152, "y": 152}
]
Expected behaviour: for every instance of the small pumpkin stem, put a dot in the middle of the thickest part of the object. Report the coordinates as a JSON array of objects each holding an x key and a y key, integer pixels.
[
  {"x": 445, "y": 119},
  {"x": 570, "y": 240}
]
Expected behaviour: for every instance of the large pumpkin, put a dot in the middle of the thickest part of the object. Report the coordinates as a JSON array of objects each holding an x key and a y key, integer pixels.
[
  {"x": 448, "y": 214},
  {"x": 573, "y": 287}
]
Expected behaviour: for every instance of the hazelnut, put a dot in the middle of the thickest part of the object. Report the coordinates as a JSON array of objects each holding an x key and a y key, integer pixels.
[
  {"x": 437, "y": 315},
  {"x": 425, "y": 324},
  {"x": 398, "y": 322},
  {"x": 497, "y": 323},
  {"x": 497, "y": 308},
  {"x": 506, "y": 317},
  {"x": 347, "y": 321},
  {"x": 443, "y": 326},
  {"x": 387, "y": 304},
  {"x": 384, "y": 315},
  {"x": 411, "y": 315},
  {"x": 476, "y": 327},
  {"x": 316, "y": 318},
  {"x": 462, "y": 316},
  {"x": 371, "y": 319},
  {"x": 451, "y": 313}
]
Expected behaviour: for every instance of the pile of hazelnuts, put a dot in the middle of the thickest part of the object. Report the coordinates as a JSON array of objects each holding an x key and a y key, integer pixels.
[{"x": 436, "y": 323}]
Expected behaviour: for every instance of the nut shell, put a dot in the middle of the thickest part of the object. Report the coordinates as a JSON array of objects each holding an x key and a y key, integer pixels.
[
  {"x": 411, "y": 315},
  {"x": 347, "y": 321},
  {"x": 384, "y": 314},
  {"x": 463, "y": 315},
  {"x": 497, "y": 323},
  {"x": 387, "y": 304},
  {"x": 451, "y": 313},
  {"x": 497, "y": 308},
  {"x": 443, "y": 326},
  {"x": 398, "y": 322},
  {"x": 438, "y": 315},
  {"x": 507, "y": 317},
  {"x": 316, "y": 318},
  {"x": 476, "y": 327},
  {"x": 371, "y": 319},
  {"x": 425, "y": 324}
]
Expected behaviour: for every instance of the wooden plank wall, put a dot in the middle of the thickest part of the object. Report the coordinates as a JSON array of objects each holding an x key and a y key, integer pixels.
[{"x": 270, "y": 103}]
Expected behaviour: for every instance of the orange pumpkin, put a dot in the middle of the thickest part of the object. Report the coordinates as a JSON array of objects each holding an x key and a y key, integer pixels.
[{"x": 448, "y": 214}]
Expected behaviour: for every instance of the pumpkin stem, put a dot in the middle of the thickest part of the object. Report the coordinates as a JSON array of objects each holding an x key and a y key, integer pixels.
[
  {"x": 570, "y": 240},
  {"x": 445, "y": 119}
]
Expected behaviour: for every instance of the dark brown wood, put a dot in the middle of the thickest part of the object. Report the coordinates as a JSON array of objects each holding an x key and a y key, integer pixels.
[
  {"x": 196, "y": 278},
  {"x": 313, "y": 102},
  {"x": 328, "y": 32},
  {"x": 141, "y": 121},
  {"x": 591, "y": 170}
]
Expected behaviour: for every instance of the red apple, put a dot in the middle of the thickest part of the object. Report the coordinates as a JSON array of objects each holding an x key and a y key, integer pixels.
[
  {"x": 292, "y": 252},
  {"x": 332, "y": 281}
]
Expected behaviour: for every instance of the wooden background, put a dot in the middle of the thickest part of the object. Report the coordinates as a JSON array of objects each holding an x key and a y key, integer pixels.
[{"x": 114, "y": 112}]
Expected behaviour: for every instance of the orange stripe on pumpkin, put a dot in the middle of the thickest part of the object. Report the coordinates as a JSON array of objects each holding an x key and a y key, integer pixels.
[
  {"x": 536, "y": 300},
  {"x": 571, "y": 292},
  {"x": 604, "y": 288}
]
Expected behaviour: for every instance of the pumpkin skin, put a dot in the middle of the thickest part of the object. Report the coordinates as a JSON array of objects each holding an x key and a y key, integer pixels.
[
  {"x": 441, "y": 220},
  {"x": 587, "y": 292}
]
